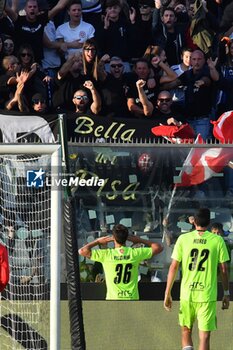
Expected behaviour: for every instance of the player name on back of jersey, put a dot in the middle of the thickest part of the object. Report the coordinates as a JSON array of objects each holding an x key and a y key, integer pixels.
[
  {"x": 122, "y": 257},
  {"x": 200, "y": 241}
]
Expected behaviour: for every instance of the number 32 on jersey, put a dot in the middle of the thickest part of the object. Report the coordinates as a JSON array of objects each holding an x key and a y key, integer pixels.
[{"x": 198, "y": 258}]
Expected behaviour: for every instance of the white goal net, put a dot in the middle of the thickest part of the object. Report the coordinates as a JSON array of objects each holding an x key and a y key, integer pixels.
[{"x": 30, "y": 214}]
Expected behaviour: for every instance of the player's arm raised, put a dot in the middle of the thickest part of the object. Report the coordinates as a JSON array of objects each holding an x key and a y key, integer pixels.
[
  {"x": 86, "y": 249},
  {"x": 156, "y": 247}
]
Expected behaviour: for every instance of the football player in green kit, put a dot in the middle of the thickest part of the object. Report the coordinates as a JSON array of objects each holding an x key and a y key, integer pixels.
[
  {"x": 199, "y": 253},
  {"x": 121, "y": 263}
]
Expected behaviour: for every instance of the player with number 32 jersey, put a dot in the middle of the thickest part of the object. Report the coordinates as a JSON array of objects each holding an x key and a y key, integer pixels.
[{"x": 200, "y": 256}]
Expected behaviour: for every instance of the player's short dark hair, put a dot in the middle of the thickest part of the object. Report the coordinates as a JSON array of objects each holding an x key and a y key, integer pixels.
[
  {"x": 202, "y": 217},
  {"x": 120, "y": 233}
]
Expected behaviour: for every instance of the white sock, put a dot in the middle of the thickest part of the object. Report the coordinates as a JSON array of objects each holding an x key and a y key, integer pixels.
[{"x": 188, "y": 347}]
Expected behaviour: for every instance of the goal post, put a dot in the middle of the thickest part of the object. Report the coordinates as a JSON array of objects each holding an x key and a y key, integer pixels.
[{"x": 31, "y": 208}]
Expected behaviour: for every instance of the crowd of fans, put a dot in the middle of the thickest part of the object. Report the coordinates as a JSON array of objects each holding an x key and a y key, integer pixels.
[{"x": 170, "y": 61}]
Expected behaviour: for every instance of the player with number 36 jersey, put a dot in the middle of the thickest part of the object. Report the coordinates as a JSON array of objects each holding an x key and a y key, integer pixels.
[
  {"x": 121, "y": 263},
  {"x": 121, "y": 270}
]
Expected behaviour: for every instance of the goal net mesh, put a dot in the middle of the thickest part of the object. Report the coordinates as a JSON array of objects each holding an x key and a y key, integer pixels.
[{"x": 25, "y": 197}]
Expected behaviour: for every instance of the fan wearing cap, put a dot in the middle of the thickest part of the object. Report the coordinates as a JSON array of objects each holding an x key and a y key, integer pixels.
[
  {"x": 119, "y": 34},
  {"x": 144, "y": 22},
  {"x": 39, "y": 104}
]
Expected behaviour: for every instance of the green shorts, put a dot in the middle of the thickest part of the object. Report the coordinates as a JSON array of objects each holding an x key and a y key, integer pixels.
[{"x": 205, "y": 313}]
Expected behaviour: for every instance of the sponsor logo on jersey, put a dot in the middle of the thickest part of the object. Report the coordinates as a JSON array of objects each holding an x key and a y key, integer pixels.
[
  {"x": 124, "y": 294},
  {"x": 196, "y": 286}
]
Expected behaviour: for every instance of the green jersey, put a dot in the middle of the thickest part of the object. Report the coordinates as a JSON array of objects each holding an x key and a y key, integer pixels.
[
  {"x": 199, "y": 256},
  {"x": 121, "y": 270}
]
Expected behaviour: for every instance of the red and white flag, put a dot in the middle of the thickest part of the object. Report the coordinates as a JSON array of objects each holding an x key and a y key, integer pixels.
[
  {"x": 223, "y": 127},
  {"x": 203, "y": 163},
  {"x": 183, "y": 133}
]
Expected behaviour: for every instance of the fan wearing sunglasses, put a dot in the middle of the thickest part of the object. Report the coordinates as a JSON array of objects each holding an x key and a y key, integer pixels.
[
  {"x": 39, "y": 104},
  {"x": 37, "y": 78},
  {"x": 26, "y": 56},
  {"x": 27, "y": 61},
  {"x": 82, "y": 101},
  {"x": 164, "y": 113},
  {"x": 113, "y": 86}
]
